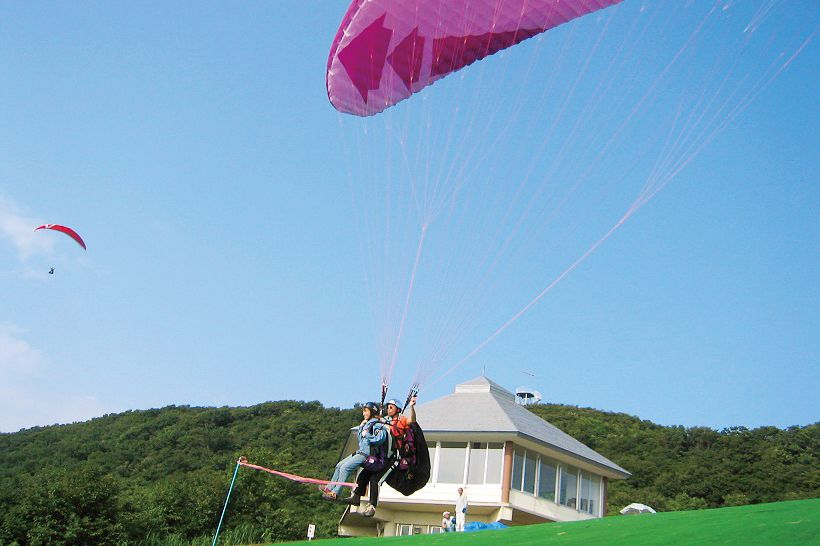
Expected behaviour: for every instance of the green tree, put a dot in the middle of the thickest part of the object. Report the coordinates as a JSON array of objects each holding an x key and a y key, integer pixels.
[{"x": 71, "y": 507}]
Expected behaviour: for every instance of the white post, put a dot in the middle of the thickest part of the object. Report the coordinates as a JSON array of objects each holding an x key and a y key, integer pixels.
[
  {"x": 436, "y": 462},
  {"x": 466, "y": 464}
]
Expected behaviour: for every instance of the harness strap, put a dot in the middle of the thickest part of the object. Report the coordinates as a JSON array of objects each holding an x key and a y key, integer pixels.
[{"x": 390, "y": 469}]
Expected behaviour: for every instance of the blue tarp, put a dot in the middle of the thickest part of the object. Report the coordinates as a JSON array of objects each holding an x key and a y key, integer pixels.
[{"x": 478, "y": 526}]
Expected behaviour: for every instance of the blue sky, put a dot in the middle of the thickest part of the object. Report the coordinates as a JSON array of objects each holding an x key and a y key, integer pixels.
[{"x": 233, "y": 217}]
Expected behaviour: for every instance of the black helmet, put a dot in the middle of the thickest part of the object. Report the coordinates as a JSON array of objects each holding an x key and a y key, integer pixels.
[
  {"x": 394, "y": 402},
  {"x": 372, "y": 406}
]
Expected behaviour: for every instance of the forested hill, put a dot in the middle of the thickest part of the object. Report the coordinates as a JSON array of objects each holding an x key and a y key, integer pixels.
[
  {"x": 160, "y": 476},
  {"x": 678, "y": 468}
]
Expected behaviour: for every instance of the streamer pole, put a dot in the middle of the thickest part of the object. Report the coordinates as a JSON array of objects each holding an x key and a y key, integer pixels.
[{"x": 225, "y": 507}]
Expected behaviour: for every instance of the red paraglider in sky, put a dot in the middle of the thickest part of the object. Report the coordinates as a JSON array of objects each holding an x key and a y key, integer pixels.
[{"x": 67, "y": 230}]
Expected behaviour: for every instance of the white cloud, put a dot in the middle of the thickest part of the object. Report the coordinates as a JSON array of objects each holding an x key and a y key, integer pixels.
[
  {"x": 17, "y": 227},
  {"x": 26, "y": 408},
  {"x": 16, "y": 355},
  {"x": 29, "y": 395}
]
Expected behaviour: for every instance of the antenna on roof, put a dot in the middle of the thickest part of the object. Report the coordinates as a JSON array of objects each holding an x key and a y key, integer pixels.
[{"x": 526, "y": 396}]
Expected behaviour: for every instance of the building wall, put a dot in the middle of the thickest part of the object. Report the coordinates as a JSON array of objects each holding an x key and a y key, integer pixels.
[
  {"x": 536, "y": 476},
  {"x": 425, "y": 522},
  {"x": 545, "y": 509},
  {"x": 444, "y": 495},
  {"x": 527, "y": 475}
]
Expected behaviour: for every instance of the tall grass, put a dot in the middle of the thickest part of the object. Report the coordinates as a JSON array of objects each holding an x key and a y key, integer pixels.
[{"x": 240, "y": 535}]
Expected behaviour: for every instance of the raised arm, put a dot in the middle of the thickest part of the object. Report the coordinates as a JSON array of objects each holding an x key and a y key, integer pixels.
[{"x": 411, "y": 410}]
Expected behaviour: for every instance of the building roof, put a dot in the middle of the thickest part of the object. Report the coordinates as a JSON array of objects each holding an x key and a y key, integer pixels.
[{"x": 480, "y": 405}]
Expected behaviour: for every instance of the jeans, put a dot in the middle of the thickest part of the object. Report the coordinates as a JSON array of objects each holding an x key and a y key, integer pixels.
[
  {"x": 344, "y": 469},
  {"x": 461, "y": 519}
]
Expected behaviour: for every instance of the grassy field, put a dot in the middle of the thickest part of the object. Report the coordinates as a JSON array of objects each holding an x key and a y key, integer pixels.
[{"x": 792, "y": 523}]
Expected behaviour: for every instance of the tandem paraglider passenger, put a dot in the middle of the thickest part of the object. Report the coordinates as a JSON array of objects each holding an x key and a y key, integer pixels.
[{"x": 370, "y": 433}]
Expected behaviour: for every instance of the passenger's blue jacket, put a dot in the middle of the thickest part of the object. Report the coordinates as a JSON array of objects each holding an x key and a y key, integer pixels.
[{"x": 370, "y": 435}]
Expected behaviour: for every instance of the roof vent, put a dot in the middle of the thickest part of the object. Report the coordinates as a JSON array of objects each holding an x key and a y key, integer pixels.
[{"x": 526, "y": 396}]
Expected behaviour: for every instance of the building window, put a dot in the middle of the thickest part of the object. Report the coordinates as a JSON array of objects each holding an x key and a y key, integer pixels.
[
  {"x": 538, "y": 475},
  {"x": 530, "y": 464},
  {"x": 590, "y": 494},
  {"x": 524, "y": 472},
  {"x": 486, "y": 462},
  {"x": 451, "y": 459},
  {"x": 407, "y": 529},
  {"x": 495, "y": 464},
  {"x": 517, "y": 469},
  {"x": 478, "y": 463},
  {"x": 568, "y": 486},
  {"x": 546, "y": 479},
  {"x": 435, "y": 529}
]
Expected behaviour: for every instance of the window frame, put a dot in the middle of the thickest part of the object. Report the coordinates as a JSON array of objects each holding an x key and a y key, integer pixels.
[
  {"x": 485, "y": 449},
  {"x": 595, "y": 481},
  {"x": 562, "y": 469},
  {"x": 437, "y": 471},
  {"x": 412, "y": 527},
  {"x": 546, "y": 461}
]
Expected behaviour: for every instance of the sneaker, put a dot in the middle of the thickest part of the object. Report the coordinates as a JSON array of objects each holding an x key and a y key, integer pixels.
[
  {"x": 330, "y": 495},
  {"x": 323, "y": 489},
  {"x": 354, "y": 500},
  {"x": 369, "y": 511}
]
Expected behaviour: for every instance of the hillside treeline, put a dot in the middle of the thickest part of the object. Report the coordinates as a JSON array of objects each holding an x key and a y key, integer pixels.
[
  {"x": 160, "y": 476},
  {"x": 677, "y": 468}
]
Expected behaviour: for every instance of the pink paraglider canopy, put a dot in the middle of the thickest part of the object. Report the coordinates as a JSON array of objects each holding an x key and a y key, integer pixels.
[
  {"x": 386, "y": 50},
  {"x": 67, "y": 230}
]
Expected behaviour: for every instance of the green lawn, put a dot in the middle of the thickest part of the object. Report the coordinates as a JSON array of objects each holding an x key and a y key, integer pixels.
[{"x": 794, "y": 523}]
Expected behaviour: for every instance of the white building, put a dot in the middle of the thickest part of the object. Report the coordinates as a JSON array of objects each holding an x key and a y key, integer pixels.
[{"x": 515, "y": 468}]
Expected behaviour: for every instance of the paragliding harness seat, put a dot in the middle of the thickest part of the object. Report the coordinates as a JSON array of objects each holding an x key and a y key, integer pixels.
[{"x": 410, "y": 467}]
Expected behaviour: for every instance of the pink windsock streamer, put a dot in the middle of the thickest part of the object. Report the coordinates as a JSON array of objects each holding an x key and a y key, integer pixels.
[{"x": 294, "y": 477}]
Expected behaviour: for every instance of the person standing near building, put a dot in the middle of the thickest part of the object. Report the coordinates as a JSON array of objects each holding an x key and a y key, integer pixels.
[
  {"x": 446, "y": 524},
  {"x": 461, "y": 509}
]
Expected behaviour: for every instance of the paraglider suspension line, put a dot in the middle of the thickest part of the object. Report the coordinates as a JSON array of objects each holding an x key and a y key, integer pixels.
[
  {"x": 414, "y": 391},
  {"x": 384, "y": 395}
]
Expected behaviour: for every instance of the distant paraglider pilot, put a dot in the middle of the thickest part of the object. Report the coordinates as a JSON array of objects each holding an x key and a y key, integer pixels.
[
  {"x": 370, "y": 433},
  {"x": 51, "y": 271}
]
